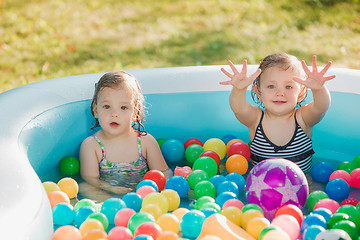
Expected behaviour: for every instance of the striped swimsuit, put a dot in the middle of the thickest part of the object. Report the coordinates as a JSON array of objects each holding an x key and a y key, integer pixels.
[{"x": 298, "y": 150}]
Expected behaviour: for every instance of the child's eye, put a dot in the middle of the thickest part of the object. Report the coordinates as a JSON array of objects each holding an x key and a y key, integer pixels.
[
  {"x": 271, "y": 86},
  {"x": 106, "y": 106},
  {"x": 288, "y": 87},
  {"x": 124, "y": 107}
]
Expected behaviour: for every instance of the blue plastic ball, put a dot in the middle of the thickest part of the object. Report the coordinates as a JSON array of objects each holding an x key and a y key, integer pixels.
[
  {"x": 228, "y": 186},
  {"x": 321, "y": 172},
  {"x": 132, "y": 200},
  {"x": 110, "y": 207},
  {"x": 228, "y": 137},
  {"x": 178, "y": 184},
  {"x": 82, "y": 214},
  {"x": 191, "y": 223},
  {"x": 238, "y": 179},
  {"x": 143, "y": 237},
  {"x": 173, "y": 151},
  {"x": 326, "y": 213},
  {"x": 147, "y": 182},
  {"x": 312, "y": 231},
  {"x": 208, "y": 212},
  {"x": 223, "y": 197},
  {"x": 217, "y": 179},
  {"x": 337, "y": 189},
  {"x": 63, "y": 214},
  {"x": 312, "y": 220}
]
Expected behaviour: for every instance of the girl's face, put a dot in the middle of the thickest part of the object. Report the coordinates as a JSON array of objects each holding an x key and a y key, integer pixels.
[
  {"x": 278, "y": 92},
  {"x": 114, "y": 110}
]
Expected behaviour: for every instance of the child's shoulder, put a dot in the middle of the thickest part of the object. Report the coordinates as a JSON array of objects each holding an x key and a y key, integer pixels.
[{"x": 89, "y": 141}]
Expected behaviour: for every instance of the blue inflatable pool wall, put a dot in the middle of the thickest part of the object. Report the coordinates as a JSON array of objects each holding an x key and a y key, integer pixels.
[{"x": 45, "y": 121}]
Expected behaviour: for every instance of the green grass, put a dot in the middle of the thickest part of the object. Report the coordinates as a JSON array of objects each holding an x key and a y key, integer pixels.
[{"x": 47, "y": 39}]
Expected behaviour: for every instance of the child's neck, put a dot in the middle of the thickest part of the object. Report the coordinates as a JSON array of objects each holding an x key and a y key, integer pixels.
[{"x": 122, "y": 136}]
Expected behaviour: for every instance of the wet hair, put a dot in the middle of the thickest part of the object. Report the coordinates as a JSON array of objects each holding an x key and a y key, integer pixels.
[
  {"x": 117, "y": 80},
  {"x": 284, "y": 61}
]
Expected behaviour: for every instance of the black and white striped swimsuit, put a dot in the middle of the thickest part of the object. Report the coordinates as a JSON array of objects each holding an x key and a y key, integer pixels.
[{"x": 298, "y": 150}]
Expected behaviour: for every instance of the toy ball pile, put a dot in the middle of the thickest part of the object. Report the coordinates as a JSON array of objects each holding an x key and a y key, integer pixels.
[{"x": 214, "y": 175}]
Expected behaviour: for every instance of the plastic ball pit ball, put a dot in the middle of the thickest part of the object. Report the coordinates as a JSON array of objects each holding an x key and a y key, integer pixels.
[
  {"x": 227, "y": 186},
  {"x": 150, "y": 228},
  {"x": 157, "y": 199},
  {"x": 83, "y": 203},
  {"x": 69, "y": 166},
  {"x": 341, "y": 174},
  {"x": 132, "y": 200},
  {"x": 193, "y": 152},
  {"x": 314, "y": 198},
  {"x": 145, "y": 190},
  {"x": 178, "y": 184},
  {"x": 202, "y": 200},
  {"x": 321, "y": 172},
  {"x": 169, "y": 222},
  {"x": 275, "y": 182},
  {"x": 349, "y": 227},
  {"x": 312, "y": 231},
  {"x": 63, "y": 214},
  {"x": 173, "y": 198},
  {"x": 237, "y": 163},
  {"x": 337, "y": 189},
  {"x": 161, "y": 141},
  {"x": 56, "y": 197},
  {"x": 326, "y": 213},
  {"x": 82, "y": 213},
  {"x": 122, "y": 233},
  {"x": 158, "y": 177},
  {"x": 216, "y": 145},
  {"x": 147, "y": 182},
  {"x": 50, "y": 187},
  {"x": 122, "y": 217},
  {"x": 328, "y": 203},
  {"x": 288, "y": 224},
  {"x": 206, "y": 164},
  {"x": 204, "y": 188},
  {"x": 110, "y": 207},
  {"x": 335, "y": 218},
  {"x": 336, "y": 234},
  {"x": 69, "y": 186},
  {"x": 67, "y": 232},
  {"x": 197, "y": 176},
  {"x": 101, "y": 218},
  {"x": 173, "y": 150},
  {"x": 191, "y": 223},
  {"x": 355, "y": 178},
  {"x": 217, "y": 179},
  {"x": 227, "y": 138},
  {"x": 348, "y": 166},
  {"x": 213, "y": 155},
  {"x": 311, "y": 220},
  {"x": 95, "y": 234},
  {"x": 192, "y": 141},
  {"x": 248, "y": 215},
  {"x": 139, "y": 218},
  {"x": 180, "y": 212},
  {"x": 356, "y": 160},
  {"x": 90, "y": 224},
  {"x": 233, "y": 203},
  {"x": 238, "y": 179},
  {"x": 353, "y": 212},
  {"x": 256, "y": 225},
  {"x": 239, "y": 148},
  {"x": 291, "y": 209},
  {"x": 228, "y": 144},
  {"x": 233, "y": 214}
]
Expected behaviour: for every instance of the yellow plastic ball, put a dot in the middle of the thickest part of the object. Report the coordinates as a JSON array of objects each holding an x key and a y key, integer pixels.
[
  {"x": 50, "y": 187},
  {"x": 256, "y": 225},
  {"x": 69, "y": 186},
  {"x": 169, "y": 222},
  {"x": 172, "y": 197},
  {"x": 90, "y": 224},
  {"x": 95, "y": 234},
  {"x": 167, "y": 235},
  {"x": 156, "y": 199},
  {"x": 215, "y": 145},
  {"x": 180, "y": 212},
  {"x": 248, "y": 215},
  {"x": 153, "y": 209},
  {"x": 233, "y": 214}
]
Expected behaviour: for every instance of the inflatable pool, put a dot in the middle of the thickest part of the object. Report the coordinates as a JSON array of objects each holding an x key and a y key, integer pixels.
[{"x": 43, "y": 122}]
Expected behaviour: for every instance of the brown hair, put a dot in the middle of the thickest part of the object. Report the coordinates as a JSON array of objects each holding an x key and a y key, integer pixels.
[
  {"x": 120, "y": 79},
  {"x": 284, "y": 61}
]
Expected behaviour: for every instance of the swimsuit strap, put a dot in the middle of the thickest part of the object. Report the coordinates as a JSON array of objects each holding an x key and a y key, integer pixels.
[
  {"x": 139, "y": 146},
  {"x": 101, "y": 145}
]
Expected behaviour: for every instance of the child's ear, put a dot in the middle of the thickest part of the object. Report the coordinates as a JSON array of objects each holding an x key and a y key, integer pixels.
[{"x": 94, "y": 109}]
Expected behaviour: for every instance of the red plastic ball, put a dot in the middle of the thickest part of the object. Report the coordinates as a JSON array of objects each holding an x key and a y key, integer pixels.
[
  {"x": 213, "y": 155},
  {"x": 158, "y": 177},
  {"x": 291, "y": 209},
  {"x": 120, "y": 233},
  {"x": 192, "y": 141},
  {"x": 240, "y": 148},
  {"x": 149, "y": 228},
  {"x": 341, "y": 174},
  {"x": 355, "y": 178}
]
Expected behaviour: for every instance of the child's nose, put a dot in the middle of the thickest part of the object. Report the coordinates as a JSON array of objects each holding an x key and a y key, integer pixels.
[
  {"x": 279, "y": 92},
  {"x": 115, "y": 113}
]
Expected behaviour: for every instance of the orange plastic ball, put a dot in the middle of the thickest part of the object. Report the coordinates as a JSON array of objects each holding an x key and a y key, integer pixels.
[
  {"x": 67, "y": 232},
  {"x": 167, "y": 235},
  {"x": 231, "y": 142},
  {"x": 256, "y": 225},
  {"x": 95, "y": 234},
  {"x": 90, "y": 224},
  {"x": 180, "y": 212},
  {"x": 69, "y": 186},
  {"x": 169, "y": 222},
  {"x": 237, "y": 163},
  {"x": 56, "y": 197}
]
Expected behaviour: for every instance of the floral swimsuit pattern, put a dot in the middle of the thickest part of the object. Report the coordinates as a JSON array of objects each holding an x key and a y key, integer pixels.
[{"x": 124, "y": 174}]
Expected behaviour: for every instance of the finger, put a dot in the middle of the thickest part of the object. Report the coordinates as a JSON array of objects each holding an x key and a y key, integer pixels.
[
  {"x": 244, "y": 67},
  {"x": 255, "y": 74},
  {"x": 305, "y": 67},
  {"x": 314, "y": 66},
  {"x": 225, "y": 83},
  {"x": 329, "y": 77},
  {"x": 226, "y": 72},
  {"x": 233, "y": 68},
  {"x": 324, "y": 70},
  {"x": 299, "y": 80}
]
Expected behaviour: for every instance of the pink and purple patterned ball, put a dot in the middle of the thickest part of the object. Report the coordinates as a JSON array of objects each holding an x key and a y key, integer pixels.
[{"x": 275, "y": 182}]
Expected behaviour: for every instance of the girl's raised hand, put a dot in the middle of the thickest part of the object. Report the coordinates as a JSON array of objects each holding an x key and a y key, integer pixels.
[
  {"x": 239, "y": 80},
  {"x": 315, "y": 80}
]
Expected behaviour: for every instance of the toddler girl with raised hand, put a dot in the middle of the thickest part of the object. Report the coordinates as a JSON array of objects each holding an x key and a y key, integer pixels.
[
  {"x": 116, "y": 158},
  {"x": 280, "y": 127}
]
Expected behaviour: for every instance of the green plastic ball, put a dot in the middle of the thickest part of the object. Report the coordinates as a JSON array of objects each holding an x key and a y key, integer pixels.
[
  {"x": 357, "y": 161},
  {"x": 139, "y": 218},
  {"x": 69, "y": 166},
  {"x": 101, "y": 217},
  {"x": 352, "y": 211},
  {"x": 251, "y": 206},
  {"x": 335, "y": 218},
  {"x": 206, "y": 164},
  {"x": 193, "y": 152},
  {"x": 197, "y": 176},
  {"x": 201, "y": 201},
  {"x": 204, "y": 188},
  {"x": 314, "y": 198},
  {"x": 161, "y": 141},
  {"x": 349, "y": 227},
  {"x": 348, "y": 166}
]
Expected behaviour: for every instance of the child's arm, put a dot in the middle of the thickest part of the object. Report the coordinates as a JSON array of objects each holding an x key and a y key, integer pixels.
[
  {"x": 154, "y": 156},
  {"x": 245, "y": 112},
  {"x": 89, "y": 168},
  {"x": 313, "y": 112}
]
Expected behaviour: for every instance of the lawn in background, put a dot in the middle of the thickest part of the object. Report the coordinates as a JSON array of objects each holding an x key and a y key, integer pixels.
[{"x": 43, "y": 39}]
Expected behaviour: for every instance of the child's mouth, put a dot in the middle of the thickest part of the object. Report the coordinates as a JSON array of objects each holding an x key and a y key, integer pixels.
[
  {"x": 114, "y": 124},
  {"x": 279, "y": 102}
]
